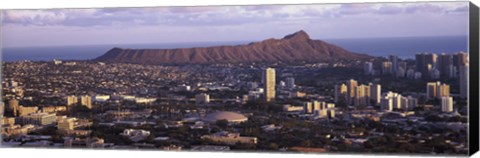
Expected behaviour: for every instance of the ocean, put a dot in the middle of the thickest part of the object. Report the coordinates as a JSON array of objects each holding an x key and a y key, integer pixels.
[{"x": 404, "y": 47}]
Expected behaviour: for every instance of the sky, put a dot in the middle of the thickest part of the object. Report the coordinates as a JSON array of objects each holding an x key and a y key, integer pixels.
[{"x": 59, "y": 27}]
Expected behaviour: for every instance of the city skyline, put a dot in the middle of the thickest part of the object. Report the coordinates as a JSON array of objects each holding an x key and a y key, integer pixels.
[
  {"x": 242, "y": 23},
  {"x": 288, "y": 90}
]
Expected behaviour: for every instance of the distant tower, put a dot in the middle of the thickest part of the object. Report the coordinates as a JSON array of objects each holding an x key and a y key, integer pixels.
[
  {"x": 443, "y": 90},
  {"x": 86, "y": 100},
  {"x": 351, "y": 84},
  {"x": 460, "y": 59},
  {"x": 432, "y": 90},
  {"x": 71, "y": 100},
  {"x": 340, "y": 92},
  {"x": 445, "y": 65},
  {"x": 368, "y": 68},
  {"x": 431, "y": 58},
  {"x": 269, "y": 84},
  {"x": 362, "y": 94},
  {"x": 386, "y": 103},
  {"x": 375, "y": 92},
  {"x": 447, "y": 104},
  {"x": 464, "y": 80},
  {"x": 394, "y": 60},
  {"x": 13, "y": 106},
  {"x": 420, "y": 62},
  {"x": 387, "y": 68}
]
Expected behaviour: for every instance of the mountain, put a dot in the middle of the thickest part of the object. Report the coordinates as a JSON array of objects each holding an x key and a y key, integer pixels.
[{"x": 294, "y": 47}]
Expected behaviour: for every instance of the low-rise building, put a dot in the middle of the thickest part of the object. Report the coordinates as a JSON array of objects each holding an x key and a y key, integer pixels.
[
  {"x": 8, "y": 121},
  {"x": 39, "y": 119},
  {"x": 135, "y": 134},
  {"x": 16, "y": 130},
  {"x": 290, "y": 108},
  {"x": 66, "y": 124}
]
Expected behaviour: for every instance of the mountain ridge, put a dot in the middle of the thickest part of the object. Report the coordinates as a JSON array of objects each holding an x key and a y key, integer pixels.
[{"x": 293, "y": 47}]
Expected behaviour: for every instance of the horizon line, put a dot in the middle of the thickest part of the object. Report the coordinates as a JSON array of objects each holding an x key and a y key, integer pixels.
[{"x": 325, "y": 39}]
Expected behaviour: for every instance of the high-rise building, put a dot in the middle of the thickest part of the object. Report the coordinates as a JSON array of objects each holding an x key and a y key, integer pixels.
[
  {"x": 71, "y": 100},
  {"x": 351, "y": 84},
  {"x": 420, "y": 62},
  {"x": 13, "y": 106},
  {"x": 340, "y": 93},
  {"x": 397, "y": 101},
  {"x": 412, "y": 102},
  {"x": 269, "y": 84},
  {"x": 425, "y": 63},
  {"x": 391, "y": 100},
  {"x": 443, "y": 90},
  {"x": 394, "y": 60},
  {"x": 307, "y": 107},
  {"x": 447, "y": 104},
  {"x": 290, "y": 83},
  {"x": 432, "y": 90},
  {"x": 86, "y": 100},
  {"x": 2, "y": 108},
  {"x": 317, "y": 105},
  {"x": 375, "y": 93},
  {"x": 400, "y": 72},
  {"x": 368, "y": 68},
  {"x": 431, "y": 59},
  {"x": 404, "y": 103},
  {"x": 387, "y": 68},
  {"x": 445, "y": 65},
  {"x": 463, "y": 79},
  {"x": 362, "y": 95},
  {"x": 403, "y": 65},
  {"x": 410, "y": 73},
  {"x": 386, "y": 103},
  {"x": 460, "y": 59}
]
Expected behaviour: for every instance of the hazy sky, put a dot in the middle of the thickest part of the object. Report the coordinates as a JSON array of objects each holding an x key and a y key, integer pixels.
[{"x": 230, "y": 23}]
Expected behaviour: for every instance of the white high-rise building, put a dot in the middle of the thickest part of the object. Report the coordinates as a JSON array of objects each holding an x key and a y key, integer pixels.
[
  {"x": 269, "y": 84},
  {"x": 391, "y": 100},
  {"x": 375, "y": 93},
  {"x": 447, "y": 104},
  {"x": 397, "y": 101}
]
